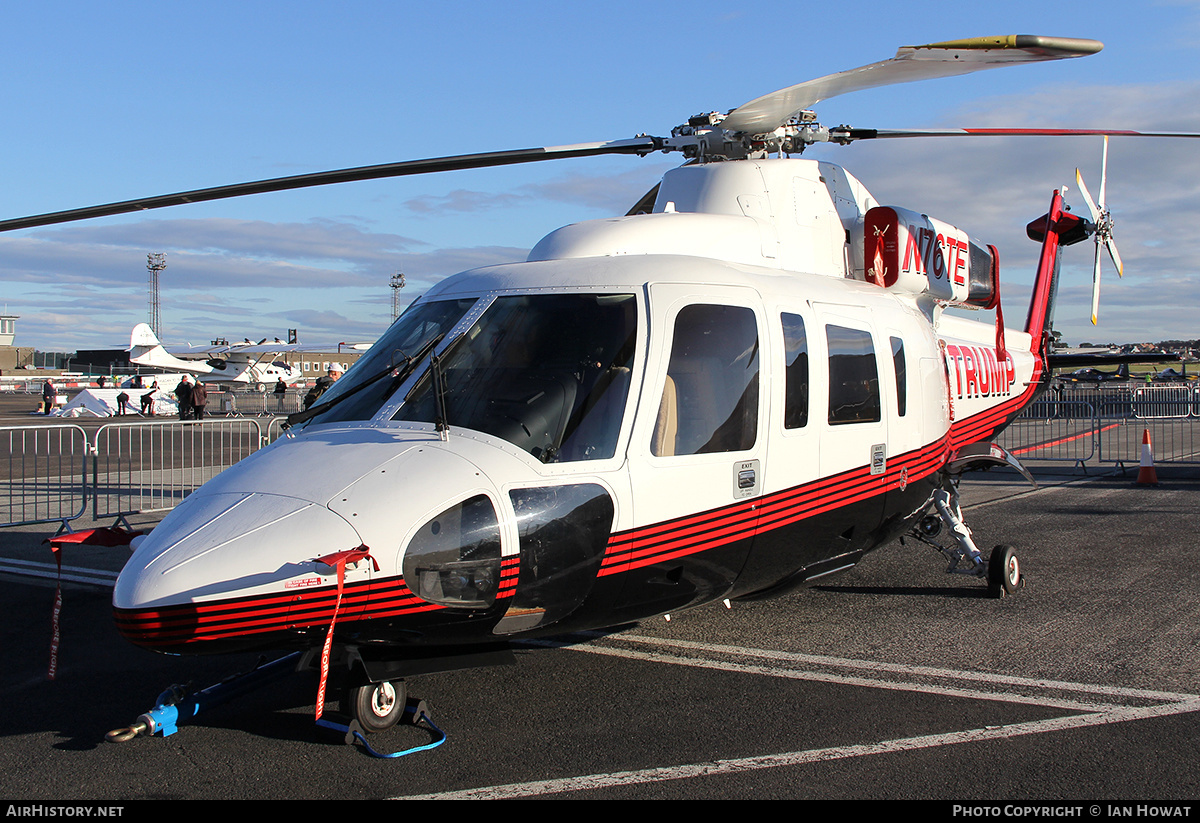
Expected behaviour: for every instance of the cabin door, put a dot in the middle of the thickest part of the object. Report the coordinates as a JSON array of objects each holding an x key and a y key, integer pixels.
[
  {"x": 854, "y": 443},
  {"x": 697, "y": 455}
]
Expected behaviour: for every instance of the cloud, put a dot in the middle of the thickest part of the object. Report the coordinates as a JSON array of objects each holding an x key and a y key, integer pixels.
[
  {"x": 232, "y": 278},
  {"x": 79, "y": 285}
]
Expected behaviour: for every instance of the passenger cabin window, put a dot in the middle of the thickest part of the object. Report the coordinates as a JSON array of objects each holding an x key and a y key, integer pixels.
[
  {"x": 901, "y": 379},
  {"x": 795, "y": 345},
  {"x": 853, "y": 377},
  {"x": 710, "y": 400}
]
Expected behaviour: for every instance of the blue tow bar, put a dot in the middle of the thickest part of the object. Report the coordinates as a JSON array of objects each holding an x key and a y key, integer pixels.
[{"x": 178, "y": 703}]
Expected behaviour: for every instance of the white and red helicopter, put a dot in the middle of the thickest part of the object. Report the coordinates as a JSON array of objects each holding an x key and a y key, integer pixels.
[{"x": 740, "y": 387}]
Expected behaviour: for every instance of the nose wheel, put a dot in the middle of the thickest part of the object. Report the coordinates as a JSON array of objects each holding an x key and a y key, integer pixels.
[{"x": 376, "y": 706}]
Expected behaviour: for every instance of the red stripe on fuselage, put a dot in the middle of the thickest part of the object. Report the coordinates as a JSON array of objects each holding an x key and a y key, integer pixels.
[
  {"x": 712, "y": 529},
  {"x": 222, "y": 620}
]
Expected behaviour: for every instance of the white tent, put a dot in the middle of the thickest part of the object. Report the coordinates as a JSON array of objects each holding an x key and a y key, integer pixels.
[{"x": 103, "y": 403}]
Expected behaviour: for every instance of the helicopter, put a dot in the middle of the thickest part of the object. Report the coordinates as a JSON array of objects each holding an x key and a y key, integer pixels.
[{"x": 739, "y": 388}]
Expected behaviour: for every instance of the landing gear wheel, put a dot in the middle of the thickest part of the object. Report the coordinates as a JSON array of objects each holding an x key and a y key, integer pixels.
[
  {"x": 1004, "y": 572},
  {"x": 377, "y": 706}
]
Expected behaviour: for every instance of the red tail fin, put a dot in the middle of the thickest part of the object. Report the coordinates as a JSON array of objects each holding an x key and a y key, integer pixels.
[{"x": 1056, "y": 228}]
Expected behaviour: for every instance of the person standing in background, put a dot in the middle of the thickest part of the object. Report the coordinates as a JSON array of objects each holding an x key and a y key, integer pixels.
[
  {"x": 183, "y": 395},
  {"x": 49, "y": 396},
  {"x": 199, "y": 400}
]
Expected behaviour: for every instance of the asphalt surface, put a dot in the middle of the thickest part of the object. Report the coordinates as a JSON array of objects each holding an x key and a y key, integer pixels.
[{"x": 891, "y": 681}]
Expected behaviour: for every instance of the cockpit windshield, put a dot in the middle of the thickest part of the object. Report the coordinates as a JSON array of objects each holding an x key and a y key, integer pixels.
[
  {"x": 548, "y": 373},
  {"x": 366, "y": 387}
]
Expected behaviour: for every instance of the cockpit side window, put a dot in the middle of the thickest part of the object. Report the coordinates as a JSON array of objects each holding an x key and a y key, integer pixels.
[
  {"x": 376, "y": 375},
  {"x": 548, "y": 373},
  {"x": 710, "y": 399}
]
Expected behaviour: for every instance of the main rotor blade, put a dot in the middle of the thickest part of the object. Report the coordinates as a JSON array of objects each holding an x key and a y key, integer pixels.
[
  {"x": 880, "y": 134},
  {"x": 637, "y": 145},
  {"x": 911, "y": 63}
]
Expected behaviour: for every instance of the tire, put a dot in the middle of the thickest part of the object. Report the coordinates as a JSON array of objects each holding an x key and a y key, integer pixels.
[
  {"x": 1004, "y": 572},
  {"x": 377, "y": 706}
]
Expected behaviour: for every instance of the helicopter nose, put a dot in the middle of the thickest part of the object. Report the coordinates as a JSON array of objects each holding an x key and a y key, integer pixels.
[{"x": 218, "y": 546}]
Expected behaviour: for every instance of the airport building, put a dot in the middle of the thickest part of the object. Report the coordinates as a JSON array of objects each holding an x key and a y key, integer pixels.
[{"x": 12, "y": 357}]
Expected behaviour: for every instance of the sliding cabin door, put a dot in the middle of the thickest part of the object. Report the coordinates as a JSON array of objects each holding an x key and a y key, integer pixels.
[{"x": 697, "y": 457}]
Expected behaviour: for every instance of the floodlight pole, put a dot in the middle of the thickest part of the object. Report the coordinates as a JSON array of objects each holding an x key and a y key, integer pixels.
[
  {"x": 154, "y": 264},
  {"x": 397, "y": 284}
]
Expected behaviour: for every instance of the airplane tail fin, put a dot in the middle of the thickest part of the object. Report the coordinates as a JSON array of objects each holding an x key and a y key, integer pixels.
[
  {"x": 144, "y": 346},
  {"x": 143, "y": 337}
]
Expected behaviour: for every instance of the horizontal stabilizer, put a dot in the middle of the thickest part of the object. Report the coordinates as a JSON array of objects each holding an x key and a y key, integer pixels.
[{"x": 1097, "y": 359}]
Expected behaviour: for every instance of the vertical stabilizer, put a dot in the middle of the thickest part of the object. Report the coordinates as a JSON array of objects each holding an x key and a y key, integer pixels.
[
  {"x": 146, "y": 350},
  {"x": 142, "y": 341},
  {"x": 1055, "y": 229}
]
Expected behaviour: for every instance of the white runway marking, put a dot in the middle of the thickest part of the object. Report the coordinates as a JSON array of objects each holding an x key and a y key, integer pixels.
[
  {"x": 49, "y": 571},
  {"x": 1094, "y": 706}
]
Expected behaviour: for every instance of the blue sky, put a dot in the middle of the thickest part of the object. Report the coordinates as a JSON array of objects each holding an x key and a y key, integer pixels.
[{"x": 110, "y": 101}]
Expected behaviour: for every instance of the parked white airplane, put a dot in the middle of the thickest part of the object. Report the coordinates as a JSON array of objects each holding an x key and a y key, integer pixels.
[{"x": 248, "y": 363}]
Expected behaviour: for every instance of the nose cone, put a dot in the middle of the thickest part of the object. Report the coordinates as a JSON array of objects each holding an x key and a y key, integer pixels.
[
  {"x": 234, "y": 566},
  {"x": 250, "y": 527},
  {"x": 227, "y": 542},
  {"x": 225, "y": 567}
]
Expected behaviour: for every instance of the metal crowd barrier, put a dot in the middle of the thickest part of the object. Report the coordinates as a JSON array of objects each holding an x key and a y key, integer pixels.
[
  {"x": 1106, "y": 424},
  {"x": 152, "y": 466},
  {"x": 52, "y": 473},
  {"x": 1157, "y": 402},
  {"x": 1173, "y": 440},
  {"x": 1055, "y": 429},
  {"x": 262, "y": 403},
  {"x": 44, "y": 476}
]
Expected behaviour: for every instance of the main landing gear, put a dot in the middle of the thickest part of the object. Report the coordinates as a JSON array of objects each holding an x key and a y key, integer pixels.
[
  {"x": 1001, "y": 569},
  {"x": 376, "y": 706}
]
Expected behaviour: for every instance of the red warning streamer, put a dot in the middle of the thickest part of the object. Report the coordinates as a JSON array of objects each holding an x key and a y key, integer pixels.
[
  {"x": 104, "y": 536},
  {"x": 337, "y": 560}
]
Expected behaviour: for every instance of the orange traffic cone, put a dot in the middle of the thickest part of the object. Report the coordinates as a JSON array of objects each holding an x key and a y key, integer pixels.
[{"x": 1146, "y": 475}]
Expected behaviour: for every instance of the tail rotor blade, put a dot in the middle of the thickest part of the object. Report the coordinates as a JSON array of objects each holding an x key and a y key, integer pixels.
[
  {"x": 1103, "y": 228},
  {"x": 1087, "y": 197},
  {"x": 1116, "y": 258},
  {"x": 1104, "y": 174}
]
